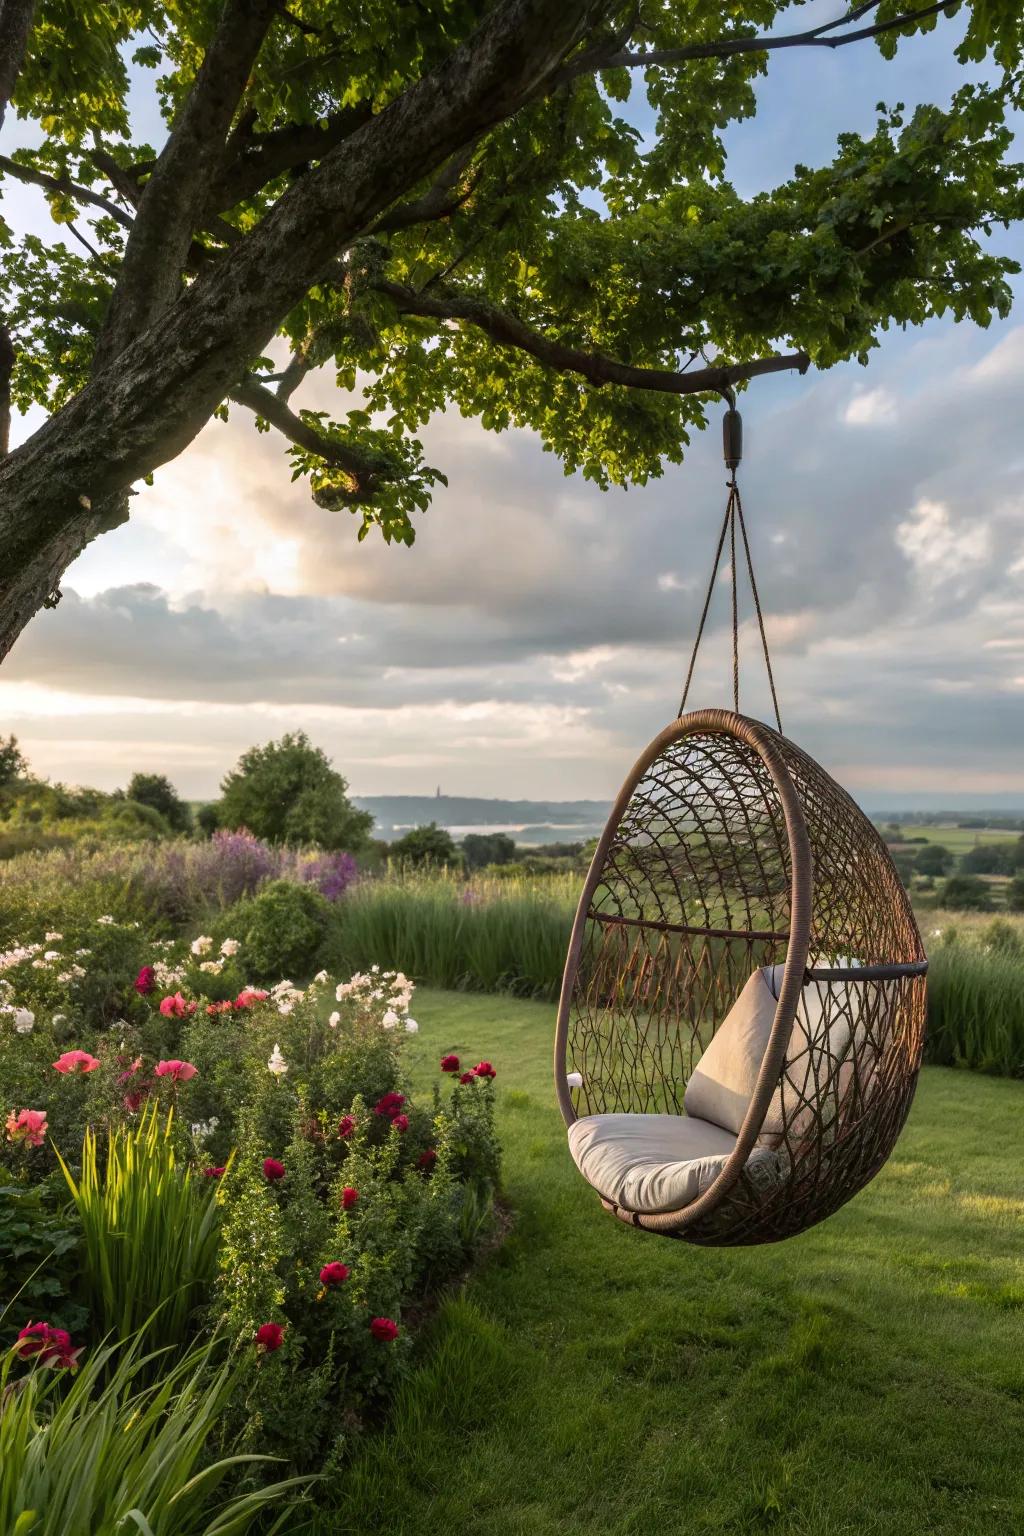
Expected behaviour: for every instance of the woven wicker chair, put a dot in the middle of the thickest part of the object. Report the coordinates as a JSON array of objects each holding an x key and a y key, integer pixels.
[{"x": 729, "y": 849}]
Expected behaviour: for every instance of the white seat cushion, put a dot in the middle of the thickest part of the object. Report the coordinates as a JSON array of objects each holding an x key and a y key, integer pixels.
[{"x": 649, "y": 1163}]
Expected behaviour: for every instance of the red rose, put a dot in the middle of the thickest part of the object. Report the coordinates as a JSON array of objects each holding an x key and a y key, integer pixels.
[
  {"x": 384, "y": 1329},
  {"x": 346, "y": 1125},
  {"x": 333, "y": 1273},
  {"x": 484, "y": 1069},
  {"x": 214, "y": 1173},
  {"x": 468, "y": 1077},
  {"x": 349, "y": 1196},
  {"x": 145, "y": 981},
  {"x": 400, "y": 1122},
  {"x": 427, "y": 1159},
  {"x": 389, "y": 1105},
  {"x": 272, "y": 1169},
  {"x": 449, "y": 1063},
  {"x": 269, "y": 1336}
]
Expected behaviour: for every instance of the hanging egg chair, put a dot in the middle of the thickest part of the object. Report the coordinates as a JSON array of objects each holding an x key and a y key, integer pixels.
[{"x": 742, "y": 1011}]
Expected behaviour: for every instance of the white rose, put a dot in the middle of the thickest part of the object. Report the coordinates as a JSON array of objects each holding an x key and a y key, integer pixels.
[
  {"x": 411, "y": 1027},
  {"x": 202, "y": 945},
  {"x": 334, "y": 1020},
  {"x": 390, "y": 1019},
  {"x": 24, "y": 1020},
  {"x": 230, "y": 947},
  {"x": 277, "y": 1064},
  {"x": 574, "y": 1079}
]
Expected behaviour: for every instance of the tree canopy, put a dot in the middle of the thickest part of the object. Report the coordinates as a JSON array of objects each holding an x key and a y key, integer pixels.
[
  {"x": 450, "y": 203},
  {"x": 288, "y": 792},
  {"x": 157, "y": 791},
  {"x": 429, "y": 844}
]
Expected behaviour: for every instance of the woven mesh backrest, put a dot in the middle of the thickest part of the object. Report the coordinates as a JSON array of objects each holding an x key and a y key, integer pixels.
[{"x": 691, "y": 893}]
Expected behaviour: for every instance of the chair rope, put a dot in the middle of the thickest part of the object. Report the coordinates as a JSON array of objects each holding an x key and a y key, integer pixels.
[{"x": 733, "y": 515}]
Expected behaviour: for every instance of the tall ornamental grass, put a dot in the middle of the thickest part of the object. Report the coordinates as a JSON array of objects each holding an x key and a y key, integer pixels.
[
  {"x": 486, "y": 935},
  {"x": 976, "y": 1009},
  {"x": 150, "y": 1230},
  {"x": 121, "y": 1447}
]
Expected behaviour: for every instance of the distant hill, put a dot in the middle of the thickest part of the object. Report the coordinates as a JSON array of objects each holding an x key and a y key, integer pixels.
[
  {"x": 535, "y": 822},
  {"x": 528, "y": 821}
]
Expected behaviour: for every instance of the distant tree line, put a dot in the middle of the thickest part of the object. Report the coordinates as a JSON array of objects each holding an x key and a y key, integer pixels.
[
  {"x": 285, "y": 792},
  {"x": 963, "y": 888}
]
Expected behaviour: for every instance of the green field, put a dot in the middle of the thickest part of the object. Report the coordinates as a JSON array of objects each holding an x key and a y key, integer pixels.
[
  {"x": 865, "y": 1378},
  {"x": 959, "y": 840}
]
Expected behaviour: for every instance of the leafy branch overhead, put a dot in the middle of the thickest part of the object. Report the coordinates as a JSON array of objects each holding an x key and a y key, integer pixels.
[{"x": 520, "y": 210}]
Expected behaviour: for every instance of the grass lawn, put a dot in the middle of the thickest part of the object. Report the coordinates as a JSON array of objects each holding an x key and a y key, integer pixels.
[{"x": 866, "y": 1377}]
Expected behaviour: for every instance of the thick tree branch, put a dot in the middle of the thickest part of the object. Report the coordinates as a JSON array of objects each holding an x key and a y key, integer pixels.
[
  {"x": 65, "y": 186},
  {"x": 7, "y": 360},
  {"x": 15, "y": 27},
  {"x": 263, "y": 157},
  {"x": 598, "y": 369},
  {"x": 596, "y": 59},
  {"x": 363, "y": 470},
  {"x": 175, "y": 195},
  {"x": 440, "y": 200}
]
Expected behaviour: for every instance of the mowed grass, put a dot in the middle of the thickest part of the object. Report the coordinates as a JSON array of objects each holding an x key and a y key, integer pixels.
[{"x": 867, "y": 1377}]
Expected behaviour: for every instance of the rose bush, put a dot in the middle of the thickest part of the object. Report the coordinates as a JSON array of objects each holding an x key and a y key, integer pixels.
[{"x": 341, "y": 1196}]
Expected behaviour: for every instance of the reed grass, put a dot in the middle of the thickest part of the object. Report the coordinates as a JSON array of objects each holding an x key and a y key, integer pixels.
[
  {"x": 150, "y": 1230},
  {"x": 976, "y": 1009},
  {"x": 123, "y": 1447},
  {"x": 487, "y": 935}
]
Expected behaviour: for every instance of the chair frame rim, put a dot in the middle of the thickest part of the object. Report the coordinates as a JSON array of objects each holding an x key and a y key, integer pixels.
[{"x": 754, "y": 734}]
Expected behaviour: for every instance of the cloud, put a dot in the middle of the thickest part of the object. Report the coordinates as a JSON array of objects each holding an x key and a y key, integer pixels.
[
  {"x": 871, "y": 408},
  {"x": 890, "y": 561}
]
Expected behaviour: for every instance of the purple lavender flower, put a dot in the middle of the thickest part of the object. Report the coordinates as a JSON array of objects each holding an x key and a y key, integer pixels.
[{"x": 331, "y": 873}]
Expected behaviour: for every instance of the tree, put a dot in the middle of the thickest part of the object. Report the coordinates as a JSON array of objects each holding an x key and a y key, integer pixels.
[
  {"x": 482, "y": 848},
  {"x": 966, "y": 893},
  {"x": 933, "y": 859},
  {"x": 12, "y": 761},
  {"x": 425, "y": 845},
  {"x": 406, "y": 193},
  {"x": 157, "y": 791},
  {"x": 1015, "y": 894},
  {"x": 989, "y": 859},
  {"x": 288, "y": 792}
]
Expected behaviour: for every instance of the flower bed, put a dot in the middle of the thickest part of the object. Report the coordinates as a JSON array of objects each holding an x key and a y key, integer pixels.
[{"x": 255, "y": 1150}]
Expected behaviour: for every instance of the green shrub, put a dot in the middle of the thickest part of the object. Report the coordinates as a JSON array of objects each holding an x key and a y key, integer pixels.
[
  {"x": 282, "y": 929},
  {"x": 966, "y": 893},
  {"x": 40, "y": 1243},
  {"x": 114, "y": 1450},
  {"x": 1003, "y": 937}
]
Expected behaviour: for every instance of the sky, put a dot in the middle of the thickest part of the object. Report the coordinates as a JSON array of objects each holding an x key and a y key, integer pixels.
[{"x": 536, "y": 634}]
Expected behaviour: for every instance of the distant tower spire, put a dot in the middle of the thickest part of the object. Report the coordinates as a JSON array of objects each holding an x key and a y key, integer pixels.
[{"x": 438, "y": 795}]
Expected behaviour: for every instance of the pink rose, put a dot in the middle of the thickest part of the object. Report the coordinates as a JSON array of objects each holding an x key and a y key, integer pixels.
[
  {"x": 29, "y": 1126},
  {"x": 176, "y": 1006},
  {"x": 75, "y": 1061},
  {"x": 177, "y": 1071}
]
